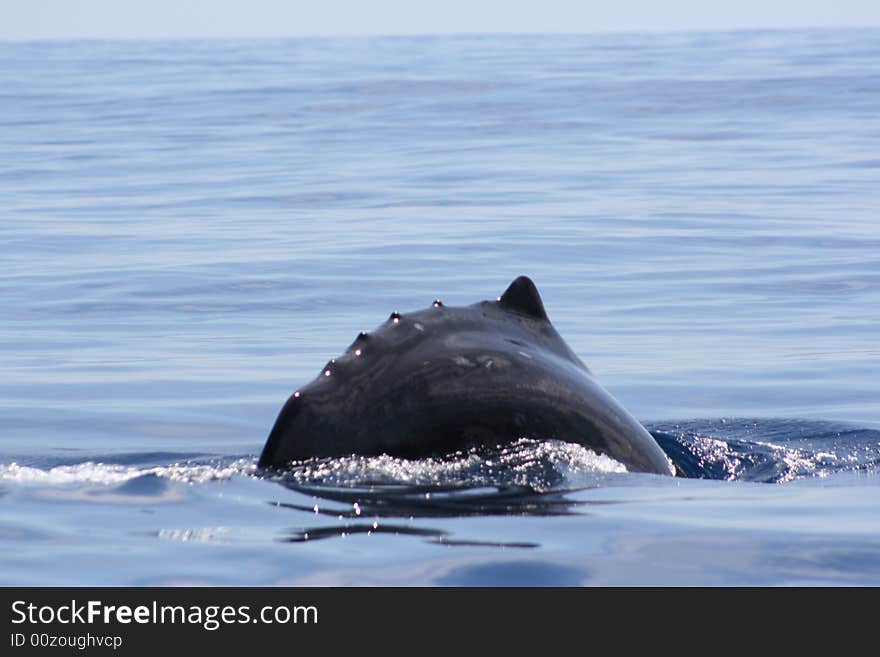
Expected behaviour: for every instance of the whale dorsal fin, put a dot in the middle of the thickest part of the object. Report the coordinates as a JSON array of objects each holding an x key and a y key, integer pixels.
[{"x": 522, "y": 297}]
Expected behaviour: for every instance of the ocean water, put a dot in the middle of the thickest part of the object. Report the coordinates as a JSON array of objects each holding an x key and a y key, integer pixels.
[{"x": 189, "y": 230}]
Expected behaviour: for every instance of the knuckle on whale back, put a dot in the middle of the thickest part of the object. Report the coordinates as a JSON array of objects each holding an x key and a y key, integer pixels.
[{"x": 447, "y": 378}]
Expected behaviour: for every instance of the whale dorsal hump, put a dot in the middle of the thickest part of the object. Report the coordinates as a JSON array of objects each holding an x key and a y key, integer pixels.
[{"x": 522, "y": 297}]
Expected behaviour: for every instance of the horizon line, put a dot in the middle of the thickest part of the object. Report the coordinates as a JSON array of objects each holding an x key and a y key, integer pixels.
[{"x": 392, "y": 35}]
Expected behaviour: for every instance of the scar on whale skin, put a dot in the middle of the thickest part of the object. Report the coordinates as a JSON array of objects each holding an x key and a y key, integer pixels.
[{"x": 449, "y": 378}]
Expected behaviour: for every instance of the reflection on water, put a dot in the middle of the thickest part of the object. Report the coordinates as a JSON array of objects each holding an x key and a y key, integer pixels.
[
  {"x": 386, "y": 512},
  {"x": 516, "y": 573},
  {"x": 354, "y": 489},
  {"x": 437, "y": 536},
  {"x": 434, "y": 501}
]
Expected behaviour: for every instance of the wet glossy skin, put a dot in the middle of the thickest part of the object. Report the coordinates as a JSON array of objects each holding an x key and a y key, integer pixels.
[{"x": 444, "y": 379}]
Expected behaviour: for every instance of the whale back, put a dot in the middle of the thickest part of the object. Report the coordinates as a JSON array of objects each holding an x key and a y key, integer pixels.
[{"x": 450, "y": 378}]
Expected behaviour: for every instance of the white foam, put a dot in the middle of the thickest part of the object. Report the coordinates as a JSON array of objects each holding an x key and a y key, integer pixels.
[
  {"x": 201, "y": 535},
  {"x": 108, "y": 473},
  {"x": 524, "y": 462}
]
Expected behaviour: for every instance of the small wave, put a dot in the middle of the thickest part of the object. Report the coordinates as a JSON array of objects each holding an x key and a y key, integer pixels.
[
  {"x": 767, "y": 450},
  {"x": 761, "y": 450},
  {"x": 528, "y": 477},
  {"x": 108, "y": 473},
  {"x": 540, "y": 465}
]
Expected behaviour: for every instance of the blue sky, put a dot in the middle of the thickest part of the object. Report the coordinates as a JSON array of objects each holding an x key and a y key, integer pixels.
[{"x": 58, "y": 19}]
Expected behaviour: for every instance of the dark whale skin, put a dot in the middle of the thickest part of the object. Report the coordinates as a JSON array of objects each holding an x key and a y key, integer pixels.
[{"x": 445, "y": 379}]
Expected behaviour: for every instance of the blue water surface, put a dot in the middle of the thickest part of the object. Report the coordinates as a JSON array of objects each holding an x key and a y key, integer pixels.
[{"x": 189, "y": 230}]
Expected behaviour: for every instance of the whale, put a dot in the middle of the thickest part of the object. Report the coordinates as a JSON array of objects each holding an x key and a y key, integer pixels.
[{"x": 448, "y": 379}]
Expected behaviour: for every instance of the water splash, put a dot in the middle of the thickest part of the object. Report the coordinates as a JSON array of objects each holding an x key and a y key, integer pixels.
[
  {"x": 108, "y": 473},
  {"x": 760, "y": 450},
  {"x": 767, "y": 450},
  {"x": 541, "y": 465},
  {"x": 527, "y": 477}
]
